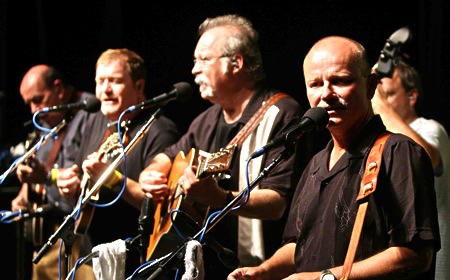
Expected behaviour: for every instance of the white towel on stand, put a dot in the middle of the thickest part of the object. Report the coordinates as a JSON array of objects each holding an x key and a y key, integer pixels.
[
  {"x": 110, "y": 263},
  {"x": 193, "y": 261}
]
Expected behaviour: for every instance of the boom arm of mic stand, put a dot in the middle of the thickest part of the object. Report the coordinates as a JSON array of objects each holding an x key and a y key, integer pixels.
[
  {"x": 177, "y": 255},
  {"x": 33, "y": 150},
  {"x": 70, "y": 219}
]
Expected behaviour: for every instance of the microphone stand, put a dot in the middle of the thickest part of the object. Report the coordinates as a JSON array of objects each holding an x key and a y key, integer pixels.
[
  {"x": 66, "y": 229},
  {"x": 26, "y": 156},
  {"x": 33, "y": 150},
  {"x": 176, "y": 256}
]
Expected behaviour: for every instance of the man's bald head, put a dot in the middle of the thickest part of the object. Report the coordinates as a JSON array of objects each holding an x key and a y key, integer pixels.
[
  {"x": 43, "y": 86},
  {"x": 344, "y": 47}
]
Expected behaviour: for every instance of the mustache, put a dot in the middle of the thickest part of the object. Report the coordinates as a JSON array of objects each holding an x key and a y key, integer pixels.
[
  {"x": 334, "y": 102},
  {"x": 200, "y": 79}
]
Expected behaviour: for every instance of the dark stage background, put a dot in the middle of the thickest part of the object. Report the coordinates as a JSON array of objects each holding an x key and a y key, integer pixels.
[{"x": 71, "y": 35}]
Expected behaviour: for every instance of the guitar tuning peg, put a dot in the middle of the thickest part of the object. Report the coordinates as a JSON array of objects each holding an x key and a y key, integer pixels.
[{"x": 225, "y": 176}]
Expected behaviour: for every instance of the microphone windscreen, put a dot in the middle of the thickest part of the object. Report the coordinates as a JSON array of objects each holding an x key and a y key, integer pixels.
[
  {"x": 92, "y": 104},
  {"x": 319, "y": 116},
  {"x": 184, "y": 91}
]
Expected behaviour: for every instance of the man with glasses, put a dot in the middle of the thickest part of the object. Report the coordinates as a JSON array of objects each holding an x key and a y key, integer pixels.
[{"x": 228, "y": 69}]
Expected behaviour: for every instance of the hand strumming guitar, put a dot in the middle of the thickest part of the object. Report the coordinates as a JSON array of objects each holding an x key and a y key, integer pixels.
[
  {"x": 153, "y": 179},
  {"x": 20, "y": 201},
  {"x": 69, "y": 183}
]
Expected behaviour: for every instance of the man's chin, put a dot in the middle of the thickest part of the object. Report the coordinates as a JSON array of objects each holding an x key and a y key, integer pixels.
[
  {"x": 207, "y": 95},
  {"x": 110, "y": 112}
]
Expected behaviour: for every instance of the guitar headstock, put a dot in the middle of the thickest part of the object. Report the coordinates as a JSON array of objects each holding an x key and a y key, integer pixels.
[
  {"x": 392, "y": 52},
  {"x": 111, "y": 147},
  {"x": 216, "y": 162}
]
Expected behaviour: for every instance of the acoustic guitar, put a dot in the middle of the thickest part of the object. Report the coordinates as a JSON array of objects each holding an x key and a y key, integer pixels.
[
  {"x": 108, "y": 151},
  {"x": 164, "y": 238},
  {"x": 34, "y": 227}
]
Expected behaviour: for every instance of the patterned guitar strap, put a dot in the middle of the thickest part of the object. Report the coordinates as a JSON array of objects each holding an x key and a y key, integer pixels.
[{"x": 255, "y": 120}]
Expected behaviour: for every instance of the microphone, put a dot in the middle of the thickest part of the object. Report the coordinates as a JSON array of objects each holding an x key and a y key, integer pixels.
[
  {"x": 90, "y": 104},
  {"x": 316, "y": 117},
  {"x": 146, "y": 220},
  {"x": 38, "y": 212},
  {"x": 181, "y": 91}
]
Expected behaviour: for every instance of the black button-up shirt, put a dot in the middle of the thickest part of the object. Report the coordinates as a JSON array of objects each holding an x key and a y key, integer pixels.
[{"x": 402, "y": 211}]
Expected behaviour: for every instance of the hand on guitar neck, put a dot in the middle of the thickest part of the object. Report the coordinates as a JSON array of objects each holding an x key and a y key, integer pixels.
[
  {"x": 174, "y": 186},
  {"x": 205, "y": 191},
  {"x": 94, "y": 166},
  {"x": 34, "y": 172}
]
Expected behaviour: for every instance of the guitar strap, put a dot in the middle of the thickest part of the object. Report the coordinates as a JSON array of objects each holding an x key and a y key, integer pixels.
[
  {"x": 368, "y": 186},
  {"x": 254, "y": 121},
  {"x": 55, "y": 150}
]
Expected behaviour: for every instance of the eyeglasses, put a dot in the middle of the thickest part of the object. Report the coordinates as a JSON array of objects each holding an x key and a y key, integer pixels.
[{"x": 205, "y": 60}]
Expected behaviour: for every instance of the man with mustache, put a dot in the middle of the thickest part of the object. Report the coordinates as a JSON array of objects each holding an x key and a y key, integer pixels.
[
  {"x": 44, "y": 86},
  {"x": 400, "y": 234},
  {"x": 228, "y": 69}
]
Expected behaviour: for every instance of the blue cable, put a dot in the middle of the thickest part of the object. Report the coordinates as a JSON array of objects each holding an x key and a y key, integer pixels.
[
  {"x": 74, "y": 269},
  {"x": 55, "y": 136},
  {"x": 10, "y": 168},
  {"x": 247, "y": 196},
  {"x": 78, "y": 211},
  {"x": 137, "y": 269},
  {"x": 8, "y": 219},
  {"x": 173, "y": 224},
  {"x": 14, "y": 165},
  {"x": 124, "y": 168},
  {"x": 207, "y": 223},
  {"x": 36, "y": 123},
  {"x": 59, "y": 259}
]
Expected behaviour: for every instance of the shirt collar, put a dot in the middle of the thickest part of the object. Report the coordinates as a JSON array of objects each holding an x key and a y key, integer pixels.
[{"x": 357, "y": 149}]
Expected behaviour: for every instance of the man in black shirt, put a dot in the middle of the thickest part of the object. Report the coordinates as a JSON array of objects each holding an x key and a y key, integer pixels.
[
  {"x": 228, "y": 69},
  {"x": 120, "y": 81},
  {"x": 400, "y": 235}
]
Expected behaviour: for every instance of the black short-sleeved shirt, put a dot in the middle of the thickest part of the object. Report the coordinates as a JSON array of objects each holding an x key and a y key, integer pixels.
[
  {"x": 209, "y": 132},
  {"x": 120, "y": 221},
  {"x": 402, "y": 211}
]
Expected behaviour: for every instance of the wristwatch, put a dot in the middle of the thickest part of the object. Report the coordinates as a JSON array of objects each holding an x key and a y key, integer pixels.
[{"x": 327, "y": 275}]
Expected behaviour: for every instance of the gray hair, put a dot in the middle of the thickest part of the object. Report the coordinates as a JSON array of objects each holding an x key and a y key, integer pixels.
[{"x": 243, "y": 40}]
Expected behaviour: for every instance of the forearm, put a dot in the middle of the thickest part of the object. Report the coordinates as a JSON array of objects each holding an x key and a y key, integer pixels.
[
  {"x": 161, "y": 163},
  {"x": 281, "y": 264},
  {"x": 393, "y": 263},
  {"x": 396, "y": 124},
  {"x": 132, "y": 193},
  {"x": 263, "y": 204}
]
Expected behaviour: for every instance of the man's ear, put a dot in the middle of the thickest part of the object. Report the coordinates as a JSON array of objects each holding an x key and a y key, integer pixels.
[
  {"x": 140, "y": 85},
  {"x": 413, "y": 96},
  {"x": 372, "y": 83},
  {"x": 237, "y": 61},
  {"x": 140, "y": 88},
  {"x": 59, "y": 88}
]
